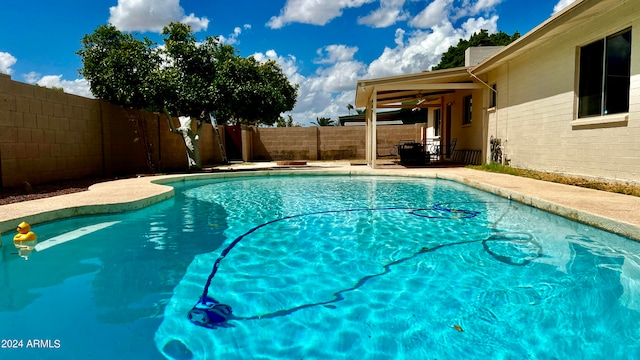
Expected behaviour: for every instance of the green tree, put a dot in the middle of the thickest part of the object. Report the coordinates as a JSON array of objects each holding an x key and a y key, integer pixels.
[
  {"x": 454, "y": 57},
  {"x": 57, "y": 88},
  {"x": 186, "y": 79},
  {"x": 253, "y": 93},
  {"x": 288, "y": 122},
  {"x": 349, "y": 108},
  {"x": 323, "y": 121},
  {"x": 120, "y": 68}
]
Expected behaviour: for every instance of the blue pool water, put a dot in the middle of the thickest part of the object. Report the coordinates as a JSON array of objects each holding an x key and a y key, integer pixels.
[{"x": 323, "y": 268}]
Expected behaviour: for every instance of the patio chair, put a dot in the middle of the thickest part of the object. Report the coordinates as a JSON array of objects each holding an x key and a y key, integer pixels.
[{"x": 437, "y": 151}]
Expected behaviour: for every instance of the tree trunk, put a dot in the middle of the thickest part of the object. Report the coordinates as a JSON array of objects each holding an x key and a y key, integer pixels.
[{"x": 190, "y": 139}]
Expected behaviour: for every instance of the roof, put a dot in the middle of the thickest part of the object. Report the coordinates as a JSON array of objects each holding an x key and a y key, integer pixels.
[{"x": 413, "y": 90}]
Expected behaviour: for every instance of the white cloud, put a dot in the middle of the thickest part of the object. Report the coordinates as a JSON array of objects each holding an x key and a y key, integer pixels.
[
  {"x": 332, "y": 54},
  {"x": 466, "y": 8},
  {"x": 152, "y": 15},
  {"x": 77, "y": 87},
  {"x": 390, "y": 12},
  {"x": 32, "y": 77},
  {"x": 399, "y": 37},
  {"x": 327, "y": 92},
  {"x": 232, "y": 39},
  {"x": 474, "y": 25},
  {"x": 312, "y": 11},
  {"x": 561, "y": 5},
  {"x": 340, "y": 76},
  {"x": 287, "y": 63},
  {"x": 434, "y": 14},
  {"x": 423, "y": 48},
  {"x": 484, "y": 5},
  {"x": 6, "y": 62}
]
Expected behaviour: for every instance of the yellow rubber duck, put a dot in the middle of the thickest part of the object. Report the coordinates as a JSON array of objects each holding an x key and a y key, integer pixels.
[{"x": 24, "y": 233}]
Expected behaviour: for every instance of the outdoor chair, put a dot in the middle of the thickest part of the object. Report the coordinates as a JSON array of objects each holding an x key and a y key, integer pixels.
[{"x": 437, "y": 151}]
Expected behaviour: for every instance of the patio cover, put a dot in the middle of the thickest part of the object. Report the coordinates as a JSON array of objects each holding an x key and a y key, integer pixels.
[{"x": 420, "y": 90}]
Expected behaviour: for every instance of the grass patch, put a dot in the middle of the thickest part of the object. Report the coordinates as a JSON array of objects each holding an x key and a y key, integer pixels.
[{"x": 619, "y": 188}]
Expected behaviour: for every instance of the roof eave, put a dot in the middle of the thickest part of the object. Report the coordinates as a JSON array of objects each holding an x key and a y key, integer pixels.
[
  {"x": 365, "y": 88},
  {"x": 528, "y": 39}
]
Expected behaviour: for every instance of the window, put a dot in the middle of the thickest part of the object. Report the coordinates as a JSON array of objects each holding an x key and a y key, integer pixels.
[
  {"x": 494, "y": 96},
  {"x": 437, "y": 121},
  {"x": 467, "y": 103},
  {"x": 605, "y": 70}
]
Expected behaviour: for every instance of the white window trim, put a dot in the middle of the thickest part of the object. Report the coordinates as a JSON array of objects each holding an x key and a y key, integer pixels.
[{"x": 601, "y": 120}]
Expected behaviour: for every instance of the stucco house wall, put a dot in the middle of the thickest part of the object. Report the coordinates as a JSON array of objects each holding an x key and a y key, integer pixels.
[
  {"x": 469, "y": 136},
  {"x": 536, "y": 112}
]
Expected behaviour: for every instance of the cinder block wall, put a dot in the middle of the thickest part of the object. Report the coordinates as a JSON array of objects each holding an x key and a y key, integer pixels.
[
  {"x": 341, "y": 142},
  {"x": 323, "y": 143},
  {"x": 293, "y": 143},
  {"x": 390, "y": 136},
  {"x": 48, "y": 135},
  {"x": 145, "y": 144}
]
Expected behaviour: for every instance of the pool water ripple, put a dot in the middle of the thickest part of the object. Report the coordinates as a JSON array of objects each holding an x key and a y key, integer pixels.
[{"x": 396, "y": 248}]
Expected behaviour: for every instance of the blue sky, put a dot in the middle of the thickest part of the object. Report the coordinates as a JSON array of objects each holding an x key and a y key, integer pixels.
[{"x": 323, "y": 45}]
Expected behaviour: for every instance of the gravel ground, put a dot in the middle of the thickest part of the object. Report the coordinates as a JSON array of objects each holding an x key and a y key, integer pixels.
[{"x": 39, "y": 191}]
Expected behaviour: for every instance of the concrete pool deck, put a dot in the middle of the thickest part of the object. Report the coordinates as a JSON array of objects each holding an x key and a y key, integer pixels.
[{"x": 616, "y": 213}]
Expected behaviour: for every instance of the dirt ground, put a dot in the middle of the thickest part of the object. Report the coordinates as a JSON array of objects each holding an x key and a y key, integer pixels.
[{"x": 31, "y": 192}]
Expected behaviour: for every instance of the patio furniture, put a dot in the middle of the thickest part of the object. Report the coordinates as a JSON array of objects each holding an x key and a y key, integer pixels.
[
  {"x": 412, "y": 153},
  {"x": 437, "y": 151}
]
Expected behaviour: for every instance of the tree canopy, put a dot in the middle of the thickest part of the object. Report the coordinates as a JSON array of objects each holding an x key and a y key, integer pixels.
[
  {"x": 185, "y": 77},
  {"x": 249, "y": 92},
  {"x": 454, "y": 57},
  {"x": 120, "y": 69},
  {"x": 288, "y": 122},
  {"x": 324, "y": 121}
]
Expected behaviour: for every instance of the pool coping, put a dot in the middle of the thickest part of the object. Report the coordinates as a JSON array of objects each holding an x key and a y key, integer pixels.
[{"x": 616, "y": 213}]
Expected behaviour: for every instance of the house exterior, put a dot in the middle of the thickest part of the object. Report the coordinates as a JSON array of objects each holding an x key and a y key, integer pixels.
[{"x": 564, "y": 98}]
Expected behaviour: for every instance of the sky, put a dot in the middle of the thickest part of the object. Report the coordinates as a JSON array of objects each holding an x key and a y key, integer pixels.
[{"x": 325, "y": 46}]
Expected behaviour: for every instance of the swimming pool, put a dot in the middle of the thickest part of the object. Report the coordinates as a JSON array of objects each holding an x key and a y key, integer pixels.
[{"x": 324, "y": 267}]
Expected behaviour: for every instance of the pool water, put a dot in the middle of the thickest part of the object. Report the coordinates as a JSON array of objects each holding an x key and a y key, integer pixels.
[{"x": 323, "y": 268}]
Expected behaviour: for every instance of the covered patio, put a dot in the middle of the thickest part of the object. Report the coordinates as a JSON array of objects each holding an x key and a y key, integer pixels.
[{"x": 440, "y": 91}]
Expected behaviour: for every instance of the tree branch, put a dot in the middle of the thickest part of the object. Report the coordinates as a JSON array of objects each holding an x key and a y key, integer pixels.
[{"x": 172, "y": 126}]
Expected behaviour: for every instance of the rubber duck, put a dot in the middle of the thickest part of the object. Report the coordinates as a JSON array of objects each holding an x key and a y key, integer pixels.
[{"x": 24, "y": 233}]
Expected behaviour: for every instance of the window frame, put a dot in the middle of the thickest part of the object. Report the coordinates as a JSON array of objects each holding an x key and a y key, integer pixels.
[
  {"x": 467, "y": 110},
  {"x": 437, "y": 121},
  {"x": 493, "y": 99},
  {"x": 596, "y": 97}
]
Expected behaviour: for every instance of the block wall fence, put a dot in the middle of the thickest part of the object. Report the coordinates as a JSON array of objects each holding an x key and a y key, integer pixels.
[
  {"x": 323, "y": 143},
  {"x": 47, "y": 135}
]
